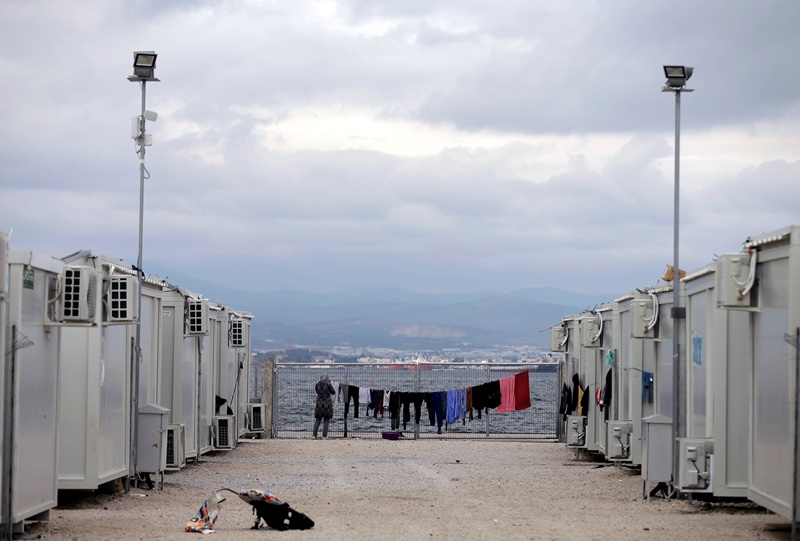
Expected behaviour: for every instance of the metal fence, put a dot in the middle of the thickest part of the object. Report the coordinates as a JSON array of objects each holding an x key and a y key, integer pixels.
[{"x": 293, "y": 400}]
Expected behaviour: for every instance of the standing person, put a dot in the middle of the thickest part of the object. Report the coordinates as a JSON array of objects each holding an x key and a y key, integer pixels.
[{"x": 323, "y": 411}]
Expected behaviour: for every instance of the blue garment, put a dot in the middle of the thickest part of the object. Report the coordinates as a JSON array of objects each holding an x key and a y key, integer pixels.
[
  {"x": 452, "y": 406},
  {"x": 462, "y": 403},
  {"x": 647, "y": 387}
]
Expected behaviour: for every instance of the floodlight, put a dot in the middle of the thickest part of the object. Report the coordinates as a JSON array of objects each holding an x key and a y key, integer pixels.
[
  {"x": 144, "y": 64},
  {"x": 677, "y": 75}
]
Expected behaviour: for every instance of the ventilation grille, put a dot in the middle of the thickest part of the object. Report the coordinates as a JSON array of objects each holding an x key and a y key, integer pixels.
[
  {"x": 176, "y": 455},
  {"x": 121, "y": 301},
  {"x": 236, "y": 334},
  {"x": 78, "y": 294},
  {"x": 196, "y": 316},
  {"x": 255, "y": 418},
  {"x": 225, "y": 435}
]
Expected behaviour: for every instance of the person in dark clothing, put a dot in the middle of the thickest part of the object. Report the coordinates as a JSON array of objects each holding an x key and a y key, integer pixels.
[{"x": 323, "y": 411}]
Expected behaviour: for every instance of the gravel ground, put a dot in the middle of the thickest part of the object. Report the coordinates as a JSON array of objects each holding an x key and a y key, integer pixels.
[{"x": 360, "y": 489}]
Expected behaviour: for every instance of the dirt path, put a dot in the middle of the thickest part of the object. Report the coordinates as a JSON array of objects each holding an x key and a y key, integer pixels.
[{"x": 409, "y": 490}]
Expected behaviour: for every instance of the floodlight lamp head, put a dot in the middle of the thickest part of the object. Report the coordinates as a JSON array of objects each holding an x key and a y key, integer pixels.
[
  {"x": 677, "y": 75},
  {"x": 144, "y": 64}
]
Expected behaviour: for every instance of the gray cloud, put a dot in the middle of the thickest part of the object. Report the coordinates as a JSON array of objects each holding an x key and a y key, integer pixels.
[{"x": 560, "y": 173}]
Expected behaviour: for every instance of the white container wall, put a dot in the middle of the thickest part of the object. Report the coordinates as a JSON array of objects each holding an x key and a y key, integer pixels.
[
  {"x": 30, "y": 440},
  {"x": 239, "y": 347},
  {"x": 96, "y": 408},
  {"x": 184, "y": 329},
  {"x": 774, "y": 394}
]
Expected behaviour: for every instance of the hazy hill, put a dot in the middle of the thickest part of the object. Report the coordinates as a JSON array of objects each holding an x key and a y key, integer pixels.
[{"x": 398, "y": 318}]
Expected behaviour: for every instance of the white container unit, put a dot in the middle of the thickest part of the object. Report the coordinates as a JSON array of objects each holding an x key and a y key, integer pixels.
[
  {"x": 97, "y": 343},
  {"x": 239, "y": 324},
  {"x": 592, "y": 334},
  {"x": 602, "y": 357},
  {"x": 636, "y": 371},
  {"x": 713, "y": 456},
  {"x": 575, "y": 379},
  {"x": 222, "y": 431},
  {"x": 773, "y": 284},
  {"x": 185, "y": 365},
  {"x": 30, "y": 370}
]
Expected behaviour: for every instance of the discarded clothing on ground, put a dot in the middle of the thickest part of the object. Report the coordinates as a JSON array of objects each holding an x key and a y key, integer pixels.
[{"x": 275, "y": 513}]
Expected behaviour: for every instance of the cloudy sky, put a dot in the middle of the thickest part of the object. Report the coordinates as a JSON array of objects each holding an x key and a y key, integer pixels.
[{"x": 439, "y": 146}]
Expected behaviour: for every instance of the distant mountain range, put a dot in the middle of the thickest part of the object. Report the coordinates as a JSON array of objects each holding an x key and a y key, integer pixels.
[{"x": 399, "y": 319}]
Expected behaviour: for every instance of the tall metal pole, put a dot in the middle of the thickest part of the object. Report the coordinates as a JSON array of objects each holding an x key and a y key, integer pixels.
[
  {"x": 138, "y": 345},
  {"x": 676, "y": 299}
]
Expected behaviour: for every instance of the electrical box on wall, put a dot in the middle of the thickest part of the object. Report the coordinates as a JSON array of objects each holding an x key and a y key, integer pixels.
[
  {"x": 576, "y": 431},
  {"x": 196, "y": 316},
  {"x": 732, "y": 278},
  {"x": 558, "y": 339},
  {"x": 619, "y": 440},
  {"x": 78, "y": 295},
  {"x": 643, "y": 317},
  {"x": 121, "y": 298},
  {"x": 590, "y": 331},
  {"x": 694, "y": 464}
]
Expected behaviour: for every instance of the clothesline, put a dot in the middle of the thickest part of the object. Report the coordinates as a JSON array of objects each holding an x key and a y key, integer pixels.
[{"x": 448, "y": 406}]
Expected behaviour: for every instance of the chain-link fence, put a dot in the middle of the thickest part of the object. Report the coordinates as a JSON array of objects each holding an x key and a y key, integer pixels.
[{"x": 293, "y": 400}]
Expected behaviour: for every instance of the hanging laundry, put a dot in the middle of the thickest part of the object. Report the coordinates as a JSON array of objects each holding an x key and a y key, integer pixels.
[
  {"x": 576, "y": 387},
  {"x": 607, "y": 394},
  {"x": 452, "y": 406},
  {"x": 522, "y": 391},
  {"x": 647, "y": 387},
  {"x": 579, "y": 408},
  {"x": 506, "y": 395},
  {"x": 351, "y": 393},
  {"x": 566, "y": 401}
]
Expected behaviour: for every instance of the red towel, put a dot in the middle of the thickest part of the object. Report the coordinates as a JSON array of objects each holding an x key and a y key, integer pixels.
[
  {"x": 522, "y": 391},
  {"x": 507, "y": 395}
]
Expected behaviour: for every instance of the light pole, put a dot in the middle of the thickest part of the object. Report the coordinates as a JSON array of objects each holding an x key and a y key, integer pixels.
[
  {"x": 676, "y": 83},
  {"x": 144, "y": 65}
]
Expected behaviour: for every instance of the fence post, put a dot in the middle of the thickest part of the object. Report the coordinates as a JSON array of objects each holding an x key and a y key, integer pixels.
[{"x": 268, "y": 393}]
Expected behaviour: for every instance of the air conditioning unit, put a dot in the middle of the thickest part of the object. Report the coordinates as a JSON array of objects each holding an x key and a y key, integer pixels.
[
  {"x": 590, "y": 331},
  {"x": 78, "y": 295},
  {"x": 619, "y": 440},
  {"x": 255, "y": 417},
  {"x": 196, "y": 316},
  {"x": 732, "y": 279},
  {"x": 236, "y": 337},
  {"x": 576, "y": 431},
  {"x": 122, "y": 298},
  {"x": 224, "y": 433},
  {"x": 558, "y": 339},
  {"x": 176, "y": 447},
  {"x": 643, "y": 317},
  {"x": 694, "y": 464}
]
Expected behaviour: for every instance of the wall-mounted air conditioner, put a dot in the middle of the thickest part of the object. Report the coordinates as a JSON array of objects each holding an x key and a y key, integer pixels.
[
  {"x": 576, "y": 431},
  {"x": 196, "y": 316},
  {"x": 176, "y": 447},
  {"x": 694, "y": 464},
  {"x": 591, "y": 329},
  {"x": 619, "y": 440},
  {"x": 78, "y": 295},
  {"x": 224, "y": 433},
  {"x": 735, "y": 277},
  {"x": 255, "y": 417},
  {"x": 558, "y": 338},
  {"x": 236, "y": 328},
  {"x": 121, "y": 298},
  {"x": 644, "y": 316}
]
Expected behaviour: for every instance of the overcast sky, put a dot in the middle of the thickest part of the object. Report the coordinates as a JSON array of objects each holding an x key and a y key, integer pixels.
[{"x": 439, "y": 146}]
